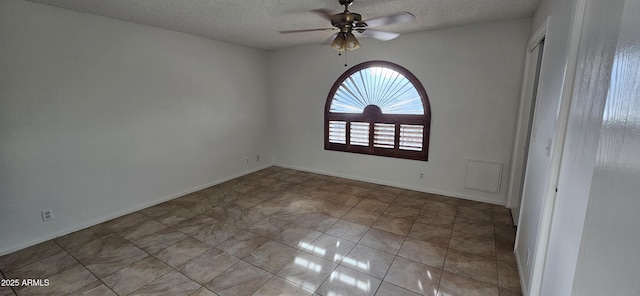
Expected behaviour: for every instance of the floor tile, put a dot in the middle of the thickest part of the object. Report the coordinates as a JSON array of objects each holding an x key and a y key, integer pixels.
[
  {"x": 328, "y": 208},
  {"x": 439, "y": 207},
  {"x": 382, "y": 196},
  {"x": 473, "y": 266},
  {"x": 345, "y": 281},
  {"x": 395, "y": 225},
  {"x": 82, "y": 236},
  {"x": 405, "y": 212},
  {"x": 94, "y": 289},
  {"x": 237, "y": 216},
  {"x": 414, "y": 276},
  {"x": 382, "y": 240},
  {"x": 242, "y": 243},
  {"x": 476, "y": 227},
  {"x": 346, "y": 199},
  {"x": 387, "y": 289},
  {"x": 508, "y": 276},
  {"x": 431, "y": 233},
  {"x": 435, "y": 218},
  {"x": 43, "y": 268},
  {"x": 172, "y": 283},
  {"x": 98, "y": 246},
  {"x": 216, "y": 233},
  {"x": 474, "y": 244},
  {"x": 203, "y": 292},
  {"x": 270, "y": 227},
  {"x": 182, "y": 251},
  {"x": 136, "y": 275},
  {"x": 329, "y": 248},
  {"x": 241, "y": 279},
  {"x": 507, "y": 292},
  {"x": 311, "y": 220},
  {"x": 155, "y": 242},
  {"x": 272, "y": 256},
  {"x": 452, "y": 284},
  {"x": 207, "y": 265},
  {"x": 368, "y": 260},
  {"x": 124, "y": 222},
  {"x": 195, "y": 224},
  {"x": 423, "y": 252},
  {"x": 307, "y": 271},
  {"x": 414, "y": 202},
  {"x": 281, "y": 287},
  {"x": 361, "y": 216},
  {"x": 372, "y": 205},
  {"x": 297, "y": 237},
  {"x": 146, "y": 228},
  {"x": 475, "y": 214},
  {"x": 347, "y": 230},
  {"x": 112, "y": 261},
  {"x": 176, "y": 216}
]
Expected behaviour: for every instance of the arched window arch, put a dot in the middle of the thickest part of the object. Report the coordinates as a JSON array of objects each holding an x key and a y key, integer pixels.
[{"x": 378, "y": 108}]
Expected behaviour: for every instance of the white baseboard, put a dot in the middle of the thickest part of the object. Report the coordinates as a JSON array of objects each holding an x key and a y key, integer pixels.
[
  {"x": 525, "y": 289},
  {"x": 403, "y": 186}
]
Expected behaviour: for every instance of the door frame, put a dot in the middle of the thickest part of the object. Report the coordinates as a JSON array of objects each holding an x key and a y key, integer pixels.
[{"x": 516, "y": 176}]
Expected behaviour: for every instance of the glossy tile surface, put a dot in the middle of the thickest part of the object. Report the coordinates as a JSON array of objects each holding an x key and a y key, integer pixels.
[{"x": 284, "y": 232}]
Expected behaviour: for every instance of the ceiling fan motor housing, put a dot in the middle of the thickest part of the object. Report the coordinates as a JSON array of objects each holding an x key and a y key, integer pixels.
[{"x": 345, "y": 21}]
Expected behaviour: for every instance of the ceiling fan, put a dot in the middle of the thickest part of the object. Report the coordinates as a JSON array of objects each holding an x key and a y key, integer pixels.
[{"x": 349, "y": 22}]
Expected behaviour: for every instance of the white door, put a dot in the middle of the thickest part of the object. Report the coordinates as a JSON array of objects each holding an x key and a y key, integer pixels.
[
  {"x": 525, "y": 122},
  {"x": 538, "y": 170}
]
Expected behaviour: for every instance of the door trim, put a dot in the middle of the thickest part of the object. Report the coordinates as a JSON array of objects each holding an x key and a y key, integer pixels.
[{"x": 514, "y": 191}]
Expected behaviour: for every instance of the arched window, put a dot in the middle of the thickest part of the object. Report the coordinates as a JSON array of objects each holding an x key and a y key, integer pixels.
[{"x": 378, "y": 108}]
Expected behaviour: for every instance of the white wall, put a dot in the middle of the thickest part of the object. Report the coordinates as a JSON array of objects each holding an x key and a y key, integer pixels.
[
  {"x": 472, "y": 75},
  {"x": 594, "y": 239},
  {"x": 100, "y": 117},
  {"x": 609, "y": 261}
]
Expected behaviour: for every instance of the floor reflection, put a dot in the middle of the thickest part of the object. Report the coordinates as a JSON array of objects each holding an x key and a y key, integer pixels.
[{"x": 308, "y": 264}]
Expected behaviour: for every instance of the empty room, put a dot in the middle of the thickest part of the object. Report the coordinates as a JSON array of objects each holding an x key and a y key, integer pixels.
[{"x": 319, "y": 147}]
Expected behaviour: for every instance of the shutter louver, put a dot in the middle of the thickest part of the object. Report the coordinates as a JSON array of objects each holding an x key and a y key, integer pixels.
[
  {"x": 384, "y": 135},
  {"x": 359, "y": 133},
  {"x": 338, "y": 132},
  {"x": 411, "y": 137}
]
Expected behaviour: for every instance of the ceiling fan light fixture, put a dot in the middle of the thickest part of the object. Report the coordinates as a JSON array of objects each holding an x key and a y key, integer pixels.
[
  {"x": 351, "y": 43},
  {"x": 339, "y": 43}
]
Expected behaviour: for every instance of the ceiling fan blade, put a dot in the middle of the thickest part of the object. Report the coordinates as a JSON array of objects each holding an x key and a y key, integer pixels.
[
  {"x": 306, "y": 30},
  {"x": 380, "y": 35},
  {"x": 396, "y": 18},
  {"x": 331, "y": 38},
  {"x": 325, "y": 13}
]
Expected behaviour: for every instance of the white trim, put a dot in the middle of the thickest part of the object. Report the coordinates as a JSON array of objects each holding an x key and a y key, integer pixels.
[
  {"x": 127, "y": 211},
  {"x": 563, "y": 119},
  {"x": 514, "y": 190},
  {"x": 379, "y": 182},
  {"x": 539, "y": 35}
]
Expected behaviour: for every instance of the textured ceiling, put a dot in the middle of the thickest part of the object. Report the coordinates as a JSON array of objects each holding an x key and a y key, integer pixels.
[{"x": 256, "y": 23}]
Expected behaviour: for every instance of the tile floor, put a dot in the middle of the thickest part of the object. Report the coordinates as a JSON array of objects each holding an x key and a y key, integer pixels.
[{"x": 283, "y": 232}]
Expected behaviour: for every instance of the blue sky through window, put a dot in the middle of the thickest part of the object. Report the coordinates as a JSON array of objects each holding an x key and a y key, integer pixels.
[{"x": 380, "y": 86}]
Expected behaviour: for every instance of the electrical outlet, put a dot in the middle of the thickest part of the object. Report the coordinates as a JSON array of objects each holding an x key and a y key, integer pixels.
[
  {"x": 258, "y": 157},
  {"x": 47, "y": 215},
  {"x": 421, "y": 176},
  {"x": 246, "y": 160}
]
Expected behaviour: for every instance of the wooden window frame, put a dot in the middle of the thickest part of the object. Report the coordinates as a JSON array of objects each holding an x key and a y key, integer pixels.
[{"x": 372, "y": 115}]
